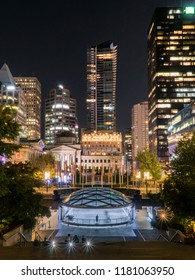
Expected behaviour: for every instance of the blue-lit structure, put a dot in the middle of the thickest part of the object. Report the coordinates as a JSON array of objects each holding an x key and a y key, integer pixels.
[{"x": 97, "y": 206}]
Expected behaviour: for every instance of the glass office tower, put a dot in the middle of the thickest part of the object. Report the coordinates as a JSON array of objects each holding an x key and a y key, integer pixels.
[
  {"x": 101, "y": 87},
  {"x": 12, "y": 95},
  {"x": 32, "y": 91},
  {"x": 60, "y": 114},
  {"x": 171, "y": 71}
]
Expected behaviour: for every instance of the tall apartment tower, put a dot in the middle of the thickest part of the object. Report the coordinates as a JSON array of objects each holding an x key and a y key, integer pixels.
[
  {"x": 32, "y": 90},
  {"x": 139, "y": 129},
  {"x": 128, "y": 145},
  {"x": 101, "y": 87},
  {"x": 60, "y": 114},
  {"x": 13, "y": 95},
  {"x": 171, "y": 71}
]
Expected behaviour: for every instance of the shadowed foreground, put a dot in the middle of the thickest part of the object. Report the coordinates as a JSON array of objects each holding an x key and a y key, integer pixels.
[{"x": 104, "y": 251}]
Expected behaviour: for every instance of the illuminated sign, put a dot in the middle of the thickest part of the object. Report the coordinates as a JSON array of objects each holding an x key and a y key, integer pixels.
[{"x": 189, "y": 10}]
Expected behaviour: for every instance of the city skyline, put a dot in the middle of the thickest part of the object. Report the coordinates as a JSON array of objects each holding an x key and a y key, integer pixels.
[{"x": 50, "y": 42}]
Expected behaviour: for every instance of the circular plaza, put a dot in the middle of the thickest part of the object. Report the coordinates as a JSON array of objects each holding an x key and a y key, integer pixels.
[{"x": 97, "y": 207}]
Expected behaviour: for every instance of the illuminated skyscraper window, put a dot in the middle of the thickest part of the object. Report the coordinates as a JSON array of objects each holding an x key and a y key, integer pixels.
[
  {"x": 139, "y": 128},
  {"x": 60, "y": 114},
  {"x": 171, "y": 71},
  {"x": 32, "y": 90},
  {"x": 101, "y": 87},
  {"x": 13, "y": 95}
]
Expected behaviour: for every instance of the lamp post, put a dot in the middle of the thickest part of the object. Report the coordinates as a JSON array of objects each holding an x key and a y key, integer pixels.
[
  {"x": 163, "y": 218},
  {"x": 146, "y": 177},
  {"x": 138, "y": 177},
  {"x": 47, "y": 178}
]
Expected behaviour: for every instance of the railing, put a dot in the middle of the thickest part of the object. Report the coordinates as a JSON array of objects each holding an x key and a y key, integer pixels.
[{"x": 93, "y": 222}]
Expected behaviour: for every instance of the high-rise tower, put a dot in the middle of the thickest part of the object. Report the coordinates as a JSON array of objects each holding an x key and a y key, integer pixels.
[
  {"x": 32, "y": 90},
  {"x": 139, "y": 128},
  {"x": 101, "y": 87},
  {"x": 60, "y": 114},
  {"x": 171, "y": 70},
  {"x": 12, "y": 95}
]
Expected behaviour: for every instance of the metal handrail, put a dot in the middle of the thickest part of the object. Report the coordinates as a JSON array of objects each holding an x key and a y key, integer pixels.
[{"x": 95, "y": 222}]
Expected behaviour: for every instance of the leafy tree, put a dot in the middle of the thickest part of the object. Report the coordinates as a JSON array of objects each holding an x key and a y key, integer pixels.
[
  {"x": 9, "y": 130},
  {"x": 179, "y": 187},
  {"x": 45, "y": 163},
  {"x": 21, "y": 204},
  {"x": 4, "y": 226},
  {"x": 148, "y": 162}
]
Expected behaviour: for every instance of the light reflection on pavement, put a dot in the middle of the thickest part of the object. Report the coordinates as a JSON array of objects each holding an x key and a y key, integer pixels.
[{"x": 140, "y": 229}]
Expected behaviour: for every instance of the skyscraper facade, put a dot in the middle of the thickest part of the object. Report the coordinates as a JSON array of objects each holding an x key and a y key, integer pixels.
[
  {"x": 12, "y": 95},
  {"x": 139, "y": 129},
  {"x": 60, "y": 114},
  {"x": 128, "y": 144},
  {"x": 101, "y": 87},
  {"x": 171, "y": 71},
  {"x": 128, "y": 150},
  {"x": 32, "y": 90}
]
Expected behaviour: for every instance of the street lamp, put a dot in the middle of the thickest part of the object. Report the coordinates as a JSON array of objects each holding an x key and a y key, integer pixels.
[
  {"x": 47, "y": 178},
  {"x": 146, "y": 177},
  {"x": 138, "y": 177},
  {"x": 163, "y": 217}
]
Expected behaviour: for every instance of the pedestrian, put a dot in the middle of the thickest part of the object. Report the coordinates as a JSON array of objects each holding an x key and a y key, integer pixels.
[
  {"x": 76, "y": 239},
  {"x": 68, "y": 238},
  {"x": 96, "y": 218},
  {"x": 83, "y": 239}
]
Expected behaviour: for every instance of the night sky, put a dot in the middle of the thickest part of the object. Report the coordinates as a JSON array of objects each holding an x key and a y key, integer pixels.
[{"x": 50, "y": 40}]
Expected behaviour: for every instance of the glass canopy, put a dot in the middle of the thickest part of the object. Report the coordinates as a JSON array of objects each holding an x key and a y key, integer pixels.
[{"x": 97, "y": 206}]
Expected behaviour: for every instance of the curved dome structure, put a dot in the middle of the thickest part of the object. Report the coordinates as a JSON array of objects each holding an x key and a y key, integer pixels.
[
  {"x": 97, "y": 197},
  {"x": 97, "y": 206}
]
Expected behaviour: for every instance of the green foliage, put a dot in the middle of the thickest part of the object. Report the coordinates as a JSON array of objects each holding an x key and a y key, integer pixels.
[
  {"x": 4, "y": 226},
  {"x": 20, "y": 203},
  {"x": 179, "y": 187},
  {"x": 45, "y": 163},
  {"x": 9, "y": 130},
  {"x": 183, "y": 163},
  {"x": 179, "y": 196},
  {"x": 159, "y": 223},
  {"x": 148, "y": 162},
  {"x": 156, "y": 198}
]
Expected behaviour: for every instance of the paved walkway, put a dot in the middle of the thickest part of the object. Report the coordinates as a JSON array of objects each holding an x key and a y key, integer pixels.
[
  {"x": 104, "y": 251},
  {"x": 113, "y": 243},
  {"x": 139, "y": 230}
]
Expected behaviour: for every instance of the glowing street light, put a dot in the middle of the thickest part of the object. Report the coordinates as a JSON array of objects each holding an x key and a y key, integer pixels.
[
  {"x": 163, "y": 216},
  {"x": 47, "y": 178},
  {"x": 88, "y": 246}
]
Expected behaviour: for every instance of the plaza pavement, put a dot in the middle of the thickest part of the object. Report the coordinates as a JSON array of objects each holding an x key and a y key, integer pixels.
[
  {"x": 136, "y": 241},
  {"x": 111, "y": 233},
  {"x": 132, "y": 250}
]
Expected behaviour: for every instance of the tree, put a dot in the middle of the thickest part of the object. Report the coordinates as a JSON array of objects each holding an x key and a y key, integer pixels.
[
  {"x": 148, "y": 162},
  {"x": 9, "y": 130},
  {"x": 20, "y": 204},
  {"x": 179, "y": 187},
  {"x": 45, "y": 163}
]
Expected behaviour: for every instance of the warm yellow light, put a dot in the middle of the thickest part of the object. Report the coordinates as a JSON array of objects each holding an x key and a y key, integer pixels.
[{"x": 47, "y": 175}]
